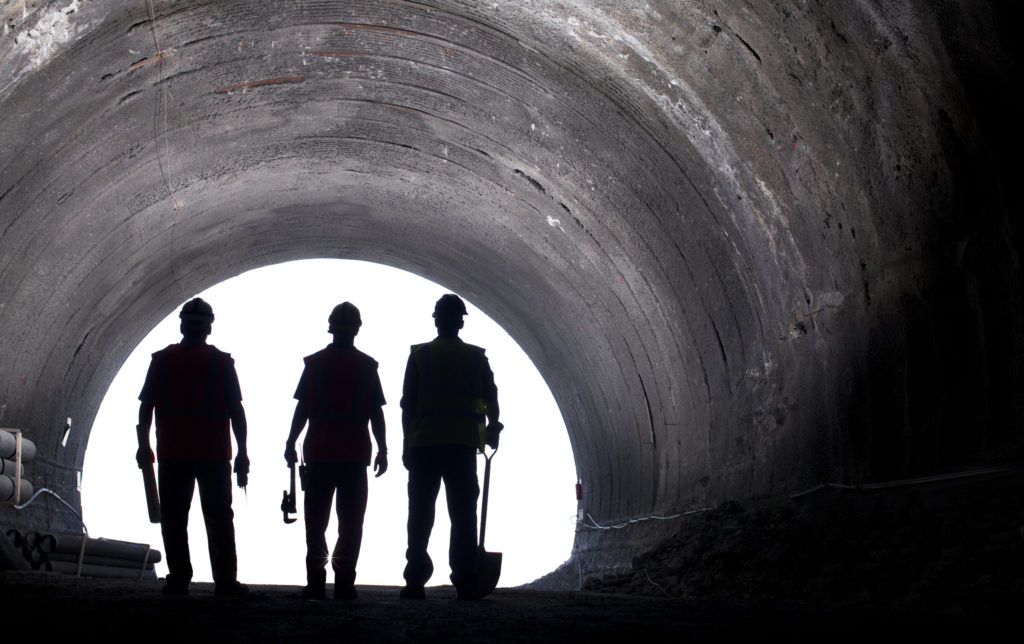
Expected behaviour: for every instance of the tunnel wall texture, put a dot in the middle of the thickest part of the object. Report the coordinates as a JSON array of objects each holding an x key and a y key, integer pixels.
[{"x": 752, "y": 247}]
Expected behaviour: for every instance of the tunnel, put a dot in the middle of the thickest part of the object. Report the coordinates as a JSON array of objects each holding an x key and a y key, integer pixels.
[{"x": 751, "y": 247}]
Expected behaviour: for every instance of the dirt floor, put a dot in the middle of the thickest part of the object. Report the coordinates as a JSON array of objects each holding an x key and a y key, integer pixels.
[
  {"x": 57, "y": 606},
  {"x": 939, "y": 557}
]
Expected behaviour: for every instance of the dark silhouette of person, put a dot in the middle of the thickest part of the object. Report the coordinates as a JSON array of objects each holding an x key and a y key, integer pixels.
[
  {"x": 194, "y": 390},
  {"x": 339, "y": 393},
  {"x": 447, "y": 396}
]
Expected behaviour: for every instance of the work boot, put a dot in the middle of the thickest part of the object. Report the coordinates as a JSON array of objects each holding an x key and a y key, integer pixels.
[
  {"x": 231, "y": 589},
  {"x": 412, "y": 592},
  {"x": 345, "y": 593},
  {"x": 172, "y": 589},
  {"x": 316, "y": 582},
  {"x": 344, "y": 585}
]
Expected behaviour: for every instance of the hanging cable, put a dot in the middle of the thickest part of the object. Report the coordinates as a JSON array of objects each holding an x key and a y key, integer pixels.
[
  {"x": 594, "y": 525},
  {"x": 56, "y": 496}
]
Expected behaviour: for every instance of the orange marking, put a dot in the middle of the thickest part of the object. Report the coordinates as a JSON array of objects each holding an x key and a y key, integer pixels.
[
  {"x": 152, "y": 59},
  {"x": 267, "y": 81}
]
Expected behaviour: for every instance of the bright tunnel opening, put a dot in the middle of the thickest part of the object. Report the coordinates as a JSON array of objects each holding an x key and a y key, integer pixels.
[{"x": 268, "y": 319}]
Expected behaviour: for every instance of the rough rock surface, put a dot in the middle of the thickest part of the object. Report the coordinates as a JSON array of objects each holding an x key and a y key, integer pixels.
[{"x": 949, "y": 545}]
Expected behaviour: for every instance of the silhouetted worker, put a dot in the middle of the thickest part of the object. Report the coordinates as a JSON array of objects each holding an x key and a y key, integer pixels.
[
  {"x": 194, "y": 388},
  {"x": 339, "y": 393},
  {"x": 448, "y": 393}
]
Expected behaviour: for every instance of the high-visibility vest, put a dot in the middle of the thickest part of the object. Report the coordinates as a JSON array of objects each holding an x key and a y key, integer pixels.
[
  {"x": 192, "y": 416},
  {"x": 339, "y": 393},
  {"x": 450, "y": 406}
]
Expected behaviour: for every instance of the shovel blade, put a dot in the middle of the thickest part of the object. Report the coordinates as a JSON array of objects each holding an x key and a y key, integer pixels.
[{"x": 488, "y": 570}]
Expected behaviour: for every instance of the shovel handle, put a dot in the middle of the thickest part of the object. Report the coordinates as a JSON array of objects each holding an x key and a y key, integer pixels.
[{"x": 487, "y": 488}]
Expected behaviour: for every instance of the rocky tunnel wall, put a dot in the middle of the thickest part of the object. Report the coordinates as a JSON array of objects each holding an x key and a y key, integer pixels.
[{"x": 751, "y": 248}]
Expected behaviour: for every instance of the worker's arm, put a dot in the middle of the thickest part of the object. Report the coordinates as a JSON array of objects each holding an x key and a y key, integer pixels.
[
  {"x": 380, "y": 464},
  {"x": 144, "y": 455},
  {"x": 493, "y": 426},
  {"x": 240, "y": 429},
  {"x": 299, "y": 419},
  {"x": 410, "y": 391},
  {"x": 406, "y": 428},
  {"x": 492, "y": 411}
]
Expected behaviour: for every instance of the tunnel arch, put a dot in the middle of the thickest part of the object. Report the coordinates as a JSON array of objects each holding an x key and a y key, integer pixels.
[{"x": 731, "y": 240}]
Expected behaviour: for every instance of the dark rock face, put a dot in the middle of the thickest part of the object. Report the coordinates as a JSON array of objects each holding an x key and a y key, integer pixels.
[
  {"x": 750, "y": 249},
  {"x": 949, "y": 545}
]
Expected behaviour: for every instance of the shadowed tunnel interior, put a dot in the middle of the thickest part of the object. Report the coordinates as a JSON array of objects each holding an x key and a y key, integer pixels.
[{"x": 751, "y": 248}]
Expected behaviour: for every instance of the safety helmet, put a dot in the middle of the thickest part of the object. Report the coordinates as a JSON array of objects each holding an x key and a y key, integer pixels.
[
  {"x": 196, "y": 310},
  {"x": 344, "y": 317},
  {"x": 449, "y": 306}
]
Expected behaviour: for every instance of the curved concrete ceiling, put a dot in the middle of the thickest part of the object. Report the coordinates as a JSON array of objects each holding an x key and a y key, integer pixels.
[{"x": 750, "y": 249}]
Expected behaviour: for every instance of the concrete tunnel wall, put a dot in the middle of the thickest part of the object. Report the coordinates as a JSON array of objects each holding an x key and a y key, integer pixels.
[{"x": 751, "y": 247}]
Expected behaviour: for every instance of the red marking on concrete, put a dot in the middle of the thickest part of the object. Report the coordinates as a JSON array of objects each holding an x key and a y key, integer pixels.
[
  {"x": 152, "y": 59},
  {"x": 259, "y": 83},
  {"x": 333, "y": 52},
  {"x": 22, "y": 379}
]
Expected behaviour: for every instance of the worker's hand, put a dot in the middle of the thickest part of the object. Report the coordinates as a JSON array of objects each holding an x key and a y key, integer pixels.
[
  {"x": 290, "y": 455},
  {"x": 492, "y": 435},
  {"x": 242, "y": 469},
  {"x": 380, "y": 464},
  {"x": 144, "y": 456}
]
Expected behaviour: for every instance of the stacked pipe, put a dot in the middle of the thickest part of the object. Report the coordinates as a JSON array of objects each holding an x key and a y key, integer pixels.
[
  {"x": 73, "y": 554},
  {"x": 14, "y": 487}
]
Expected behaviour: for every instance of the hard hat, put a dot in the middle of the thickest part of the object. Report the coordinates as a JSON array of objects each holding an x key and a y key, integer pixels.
[
  {"x": 449, "y": 306},
  {"x": 196, "y": 310},
  {"x": 344, "y": 317}
]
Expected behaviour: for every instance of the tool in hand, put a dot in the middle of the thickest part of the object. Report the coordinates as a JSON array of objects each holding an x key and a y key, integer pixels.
[
  {"x": 152, "y": 496},
  {"x": 488, "y": 564},
  {"x": 288, "y": 502}
]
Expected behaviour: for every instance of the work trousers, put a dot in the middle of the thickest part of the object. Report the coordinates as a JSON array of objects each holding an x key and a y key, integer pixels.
[
  {"x": 322, "y": 480},
  {"x": 177, "y": 480},
  {"x": 428, "y": 467}
]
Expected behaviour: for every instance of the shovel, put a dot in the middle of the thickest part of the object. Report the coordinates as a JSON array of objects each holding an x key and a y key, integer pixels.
[{"x": 488, "y": 564}]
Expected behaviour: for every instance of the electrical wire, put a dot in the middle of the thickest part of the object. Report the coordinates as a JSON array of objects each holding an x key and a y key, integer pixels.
[
  {"x": 56, "y": 496},
  {"x": 594, "y": 525}
]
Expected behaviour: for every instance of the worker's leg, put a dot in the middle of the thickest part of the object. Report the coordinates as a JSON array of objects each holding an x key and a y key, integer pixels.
[
  {"x": 176, "y": 483},
  {"x": 352, "y": 494},
  {"x": 319, "y": 493},
  {"x": 214, "y": 479},
  {"x": 462, "y": 491},
  {"x": 424, "y": 484}
]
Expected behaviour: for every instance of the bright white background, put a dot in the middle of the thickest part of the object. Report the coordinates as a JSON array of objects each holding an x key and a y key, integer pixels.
[{"x": 268, "y": 319}]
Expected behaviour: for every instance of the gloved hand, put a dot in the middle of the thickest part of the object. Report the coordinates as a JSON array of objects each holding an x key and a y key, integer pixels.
[
  {"x": 144, "y": 456},
  {"x": 242, "y": 469},
  {"x": 492, "y": 434},
  {"x": 380, "y": 464},
  {"x": 290, "y": 455}
]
